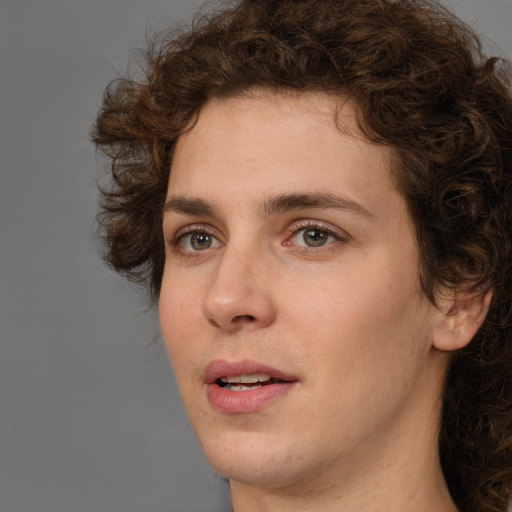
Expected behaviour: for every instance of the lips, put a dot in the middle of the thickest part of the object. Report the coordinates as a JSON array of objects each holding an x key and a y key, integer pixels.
[{"x": 244, "y": 386}]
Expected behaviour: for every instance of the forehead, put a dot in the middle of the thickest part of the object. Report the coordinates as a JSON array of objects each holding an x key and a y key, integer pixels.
[
  {"x": 265, "y": 117},
  {"x": 244, "y": 148},
  {"x": 283, "y": 112},
  {"x": 277, "y": 133}
]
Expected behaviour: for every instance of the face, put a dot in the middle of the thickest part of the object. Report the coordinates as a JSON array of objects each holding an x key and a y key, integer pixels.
[{"x": 291, "y": 305}]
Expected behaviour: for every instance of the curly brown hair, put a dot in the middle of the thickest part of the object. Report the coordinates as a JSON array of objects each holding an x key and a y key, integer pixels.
[{"x": 424, "y": 87}]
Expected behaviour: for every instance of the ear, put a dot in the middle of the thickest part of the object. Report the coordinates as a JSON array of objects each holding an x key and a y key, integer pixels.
[{"x": 461, "y": 317}]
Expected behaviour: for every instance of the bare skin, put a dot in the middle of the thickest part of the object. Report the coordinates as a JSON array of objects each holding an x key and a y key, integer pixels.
[{"x": 289, "y": 250}]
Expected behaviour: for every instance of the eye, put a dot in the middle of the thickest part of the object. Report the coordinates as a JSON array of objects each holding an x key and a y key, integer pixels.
[
  {"x": 315, "y": 237},
  {"x": 312, "y": 236},
  {"x": 196, "y": 240}
]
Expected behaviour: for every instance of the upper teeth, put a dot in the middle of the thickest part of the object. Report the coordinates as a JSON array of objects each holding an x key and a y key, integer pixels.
[{"x": 246, "y": 379}]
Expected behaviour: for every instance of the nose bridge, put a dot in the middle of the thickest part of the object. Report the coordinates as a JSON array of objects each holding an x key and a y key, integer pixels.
[{"x": 239, "y": 294}]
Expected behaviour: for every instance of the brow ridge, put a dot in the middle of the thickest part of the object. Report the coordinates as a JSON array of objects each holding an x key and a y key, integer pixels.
[
  {"x": 272, "y": 205},
  {"x": 316, "y": 200},
  {"x": 188, "y": 206}
]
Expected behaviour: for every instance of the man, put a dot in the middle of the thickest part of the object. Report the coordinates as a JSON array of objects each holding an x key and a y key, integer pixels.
[{"x": 318, "y": 194}]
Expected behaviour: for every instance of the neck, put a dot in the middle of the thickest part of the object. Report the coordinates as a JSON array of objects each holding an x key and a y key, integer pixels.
[
  {"x": 404, "y": 496},
  {"x": 397, "y": 469},
  {"x": 399, "y": 483}
]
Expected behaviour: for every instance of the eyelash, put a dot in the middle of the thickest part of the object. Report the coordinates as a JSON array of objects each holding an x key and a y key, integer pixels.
[
  {"x": 314, "y": 226},
  {"x": 189, "y": 231}
]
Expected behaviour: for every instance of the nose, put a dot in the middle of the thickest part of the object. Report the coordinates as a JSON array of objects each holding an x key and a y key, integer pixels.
[{"x": 239, "y": 295}]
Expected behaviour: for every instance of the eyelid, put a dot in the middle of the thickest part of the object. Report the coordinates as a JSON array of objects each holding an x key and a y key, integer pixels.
[
  {"x": 178, "y": 238},
  {"x": 318, "y": 224},
  {"x": 295, "y": 228},
  {"x": 190, "y": 229},
  {"x": 301, "y": 225}
]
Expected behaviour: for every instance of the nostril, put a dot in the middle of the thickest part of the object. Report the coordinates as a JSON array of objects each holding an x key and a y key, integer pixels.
[
  {"x": 236, "y": 320},
  {"x": 244, "y": 318}
]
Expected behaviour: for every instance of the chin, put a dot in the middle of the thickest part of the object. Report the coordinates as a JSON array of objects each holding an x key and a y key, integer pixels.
[{"x": 257, "y": 461}]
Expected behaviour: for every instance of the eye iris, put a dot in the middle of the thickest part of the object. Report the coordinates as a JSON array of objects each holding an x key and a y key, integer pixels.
[
  {"x": 315, "y": 237},
  {"x": 200, "y": 241}
]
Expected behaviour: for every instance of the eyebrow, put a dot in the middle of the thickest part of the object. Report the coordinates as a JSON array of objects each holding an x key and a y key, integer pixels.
[
  {"x": 314, "y": 200},
  {"x": 194, "y": 206}
]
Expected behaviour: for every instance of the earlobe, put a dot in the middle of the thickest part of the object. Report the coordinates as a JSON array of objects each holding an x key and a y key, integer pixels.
[{"x": 462, "y": 316}]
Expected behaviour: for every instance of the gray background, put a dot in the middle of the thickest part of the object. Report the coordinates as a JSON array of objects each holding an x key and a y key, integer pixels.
[{"x": 90, "y": 417}]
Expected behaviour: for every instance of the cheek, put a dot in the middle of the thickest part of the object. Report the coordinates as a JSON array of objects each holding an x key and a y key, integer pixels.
[
  {"x": 365, "y": 316},
  {"x": 179, "y": 312},
  {"x": 385, "y": 290},
  {"x": 178, "y": 320},
  {"x": 349, "y": 298}
]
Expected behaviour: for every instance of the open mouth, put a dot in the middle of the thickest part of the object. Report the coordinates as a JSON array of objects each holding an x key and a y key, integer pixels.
[
  {"x": 244, "y": 387},
  {"x": 247, "y": 382}
]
